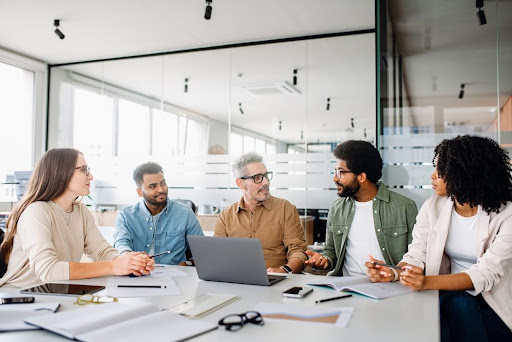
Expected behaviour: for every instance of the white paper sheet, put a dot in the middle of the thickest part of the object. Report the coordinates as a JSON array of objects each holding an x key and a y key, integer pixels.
[
  {"x": 141, "y": 287},
  {"x": 12, "y": 315},
  {"x": 162, "y": 271},
  {"x": 337, "y": 316}
]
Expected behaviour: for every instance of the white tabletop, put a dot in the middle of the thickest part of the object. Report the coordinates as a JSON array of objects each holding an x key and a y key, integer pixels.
[{"x": 408, "y": 317}]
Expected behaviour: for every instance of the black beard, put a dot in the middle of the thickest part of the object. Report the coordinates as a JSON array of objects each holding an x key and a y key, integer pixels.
[{"x": 350, "y": 190}]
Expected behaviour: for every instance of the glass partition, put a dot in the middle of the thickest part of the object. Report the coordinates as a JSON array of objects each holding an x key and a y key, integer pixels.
[
  {"x": 195, "y": 112},
  {"x": 441, "y": 74}
]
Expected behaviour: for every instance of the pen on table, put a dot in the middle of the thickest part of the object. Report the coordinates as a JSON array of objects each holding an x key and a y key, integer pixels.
[
  {"x": 155, "y": 255},
  {"x": 332, "y": 298},
  {"x": 385, "y": 265},
  {"x": 145, "y": 286}
]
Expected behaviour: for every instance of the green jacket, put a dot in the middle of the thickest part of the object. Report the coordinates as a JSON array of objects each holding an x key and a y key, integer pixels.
[{"x": 394, "y": 216}]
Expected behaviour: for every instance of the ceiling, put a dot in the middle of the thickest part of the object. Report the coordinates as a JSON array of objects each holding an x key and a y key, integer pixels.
[
  {"x": 443, "y": 45},
  {"x": 97, "y": 29},
  {"x": 460, "y": 51}
]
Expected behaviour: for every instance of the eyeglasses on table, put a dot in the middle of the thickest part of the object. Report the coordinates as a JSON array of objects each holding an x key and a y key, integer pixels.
[
  {"x": 236, "y": 322},
  {"x": 91, "y": 299}
]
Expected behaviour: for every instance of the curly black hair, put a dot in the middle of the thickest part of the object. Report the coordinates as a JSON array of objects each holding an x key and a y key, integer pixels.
[
  {"x": 148, "y": 168},
  {"x": 360, "y": 157},
  {"x": 476, "y": 170}
]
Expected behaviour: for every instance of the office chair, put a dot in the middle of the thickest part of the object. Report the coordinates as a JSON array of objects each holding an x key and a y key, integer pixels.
[{"x": 187, "y": 203}]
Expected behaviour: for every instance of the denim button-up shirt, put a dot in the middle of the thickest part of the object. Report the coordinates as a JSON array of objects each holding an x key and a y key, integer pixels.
[
  {"x": 135, "y": 228},
  {"x": 394, "y": 216}
]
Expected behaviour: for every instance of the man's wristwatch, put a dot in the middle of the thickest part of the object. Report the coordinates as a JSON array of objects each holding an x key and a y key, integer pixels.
[{"x": 287, "y": 268}]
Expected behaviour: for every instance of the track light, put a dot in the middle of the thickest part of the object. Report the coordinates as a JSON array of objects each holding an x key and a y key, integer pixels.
[
  {"x": 58, "y": 32},
  {"x": 364, "y": 132},
  {"x": 461, "y": 92},
  {"x": 208, "y": 11},
  {"x": 328, "y": 104},
  {"x": 301, "y": 135},
  {"x": 294, "y": 77},
  {"x": 280, "y": 122},
  {"x": 240, "y": 108},
  {"x": 352, "y": 123},
  {"x": 480, "y": 14},
  {"x": 481, "y": 17},
  {"x": 186, "y": 85}
]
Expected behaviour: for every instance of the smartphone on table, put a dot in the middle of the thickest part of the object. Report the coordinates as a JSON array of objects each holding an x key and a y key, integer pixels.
[
  {"x": 16, "y": 300},
  {"x": 298, "y": 292}
]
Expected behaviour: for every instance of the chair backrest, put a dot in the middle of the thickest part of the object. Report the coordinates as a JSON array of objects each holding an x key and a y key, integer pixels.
[{"x": 188, "y": 203}]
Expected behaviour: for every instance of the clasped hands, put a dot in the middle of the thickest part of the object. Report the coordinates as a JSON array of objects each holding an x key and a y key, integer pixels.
[{"x": 137, "y": 263}]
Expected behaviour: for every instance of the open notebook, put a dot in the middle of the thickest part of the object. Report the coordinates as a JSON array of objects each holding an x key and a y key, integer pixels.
[
  {"x": 364, "y": 286},
  {"x": 125, "y": 322}
]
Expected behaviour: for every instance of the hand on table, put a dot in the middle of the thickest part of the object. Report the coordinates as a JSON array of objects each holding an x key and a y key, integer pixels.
[
  {"x": 138, "y": 263},
  {"x": 413, "y": 278},
  {"x": 317, "y": 260}
]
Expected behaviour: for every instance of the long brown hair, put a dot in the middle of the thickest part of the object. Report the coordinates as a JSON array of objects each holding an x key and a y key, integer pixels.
[{"x": 49, "y": 180}]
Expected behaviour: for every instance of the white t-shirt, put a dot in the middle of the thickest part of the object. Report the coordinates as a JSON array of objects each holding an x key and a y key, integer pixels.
[
  {"x": 460, "y": 244},
  {"x": 361, "y": 241}
]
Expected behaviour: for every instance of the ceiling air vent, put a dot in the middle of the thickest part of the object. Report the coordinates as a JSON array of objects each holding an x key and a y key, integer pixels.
[{"x": 270, "y": 88}]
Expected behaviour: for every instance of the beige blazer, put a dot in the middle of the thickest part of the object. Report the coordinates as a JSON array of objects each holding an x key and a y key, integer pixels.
[{"x": 491, "y": 275}]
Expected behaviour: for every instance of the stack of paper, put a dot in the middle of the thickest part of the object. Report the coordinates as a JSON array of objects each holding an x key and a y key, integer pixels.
[{"x": 122, "y": 322}]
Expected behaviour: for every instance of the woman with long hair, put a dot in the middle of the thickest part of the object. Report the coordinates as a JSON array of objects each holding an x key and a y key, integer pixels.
[
  {"x": 49, "y": 230},
  {"x": 462, "y": 241}
]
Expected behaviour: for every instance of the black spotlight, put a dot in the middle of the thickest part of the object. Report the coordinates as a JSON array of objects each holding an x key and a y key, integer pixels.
[
  {"x": 186, "y": 85},
  {"x": 352, "y": 123},
  {"x": 480, "y": 14},
  {"x": 328, "y": 104},
  {"x": 240, "y": 108},
  {"x": 461, "y": 92},
  {"x": 294, "y": 77},
  {"x": 208, "y": 11},
  {"x": 58, "y": 32},
  {"x": 481, "y": 17}
]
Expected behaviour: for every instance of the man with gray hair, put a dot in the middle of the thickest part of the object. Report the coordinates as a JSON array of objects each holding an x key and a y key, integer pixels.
[{"x": 259, "y": 215}]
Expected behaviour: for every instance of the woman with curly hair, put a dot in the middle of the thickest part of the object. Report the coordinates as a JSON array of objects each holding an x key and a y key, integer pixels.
[
  {"x": 462, "y": 241},
  {"x": 48, "y": 231}
]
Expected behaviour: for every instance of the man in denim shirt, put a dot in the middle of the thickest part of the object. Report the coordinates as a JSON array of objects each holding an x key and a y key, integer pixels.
[
  {"x": 367, "y": 219},
  {"x": 156, "y": 224}
]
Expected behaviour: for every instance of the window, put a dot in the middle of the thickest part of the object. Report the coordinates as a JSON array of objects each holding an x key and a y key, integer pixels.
[
  {"x": 17, "y": 117},
  {"x": 196, "y": 138},
  {"x": 248, "y": 144},
  {"x": 236, "y": 147},
  {"x": 259, "y": 146},
  {"x": 165, "y": 134},
  {"x": 133, "y": 129},
  {"x": 93, "y": 123}
]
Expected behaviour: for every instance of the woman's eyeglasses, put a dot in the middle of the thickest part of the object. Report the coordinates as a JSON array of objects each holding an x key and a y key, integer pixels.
[
  {"x": 90, "y": 299},
  {"x": 85, "y": 169},
  {"x": 259, "y": 177},
  {"x": 237, "y": 321}
]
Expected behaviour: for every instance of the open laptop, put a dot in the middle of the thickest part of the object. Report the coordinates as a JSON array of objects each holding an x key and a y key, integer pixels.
[{"x": 230, "y": 260}]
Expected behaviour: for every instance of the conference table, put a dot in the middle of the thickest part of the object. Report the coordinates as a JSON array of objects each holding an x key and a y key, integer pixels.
[{"x": 410, "y": 317}]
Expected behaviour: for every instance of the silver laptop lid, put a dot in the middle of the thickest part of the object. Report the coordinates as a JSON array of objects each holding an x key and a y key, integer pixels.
[{"x": 229, "y": 259}]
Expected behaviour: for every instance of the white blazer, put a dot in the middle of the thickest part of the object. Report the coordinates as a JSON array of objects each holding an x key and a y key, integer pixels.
[{"x": 492, "y": 273}]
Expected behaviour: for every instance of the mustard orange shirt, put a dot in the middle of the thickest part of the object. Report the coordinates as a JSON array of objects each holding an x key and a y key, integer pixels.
[{"x": 275, "y": 222}]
